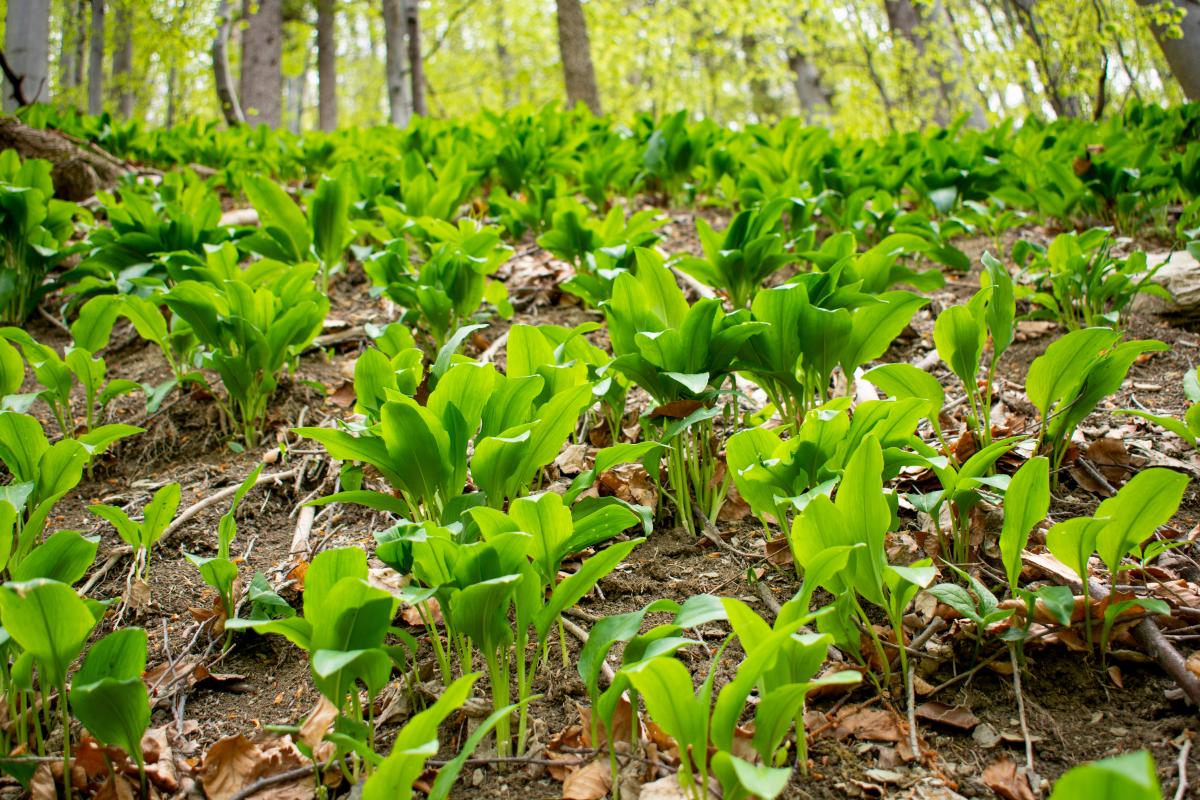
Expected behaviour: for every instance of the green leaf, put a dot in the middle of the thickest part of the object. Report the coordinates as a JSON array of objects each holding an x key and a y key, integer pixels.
[
  {"x": 64, "y": 557},
  {"x": 108, "y": 695},
  {"x": 1147, "y": 501},
  {"x": 49, "y": 621},
  {"x": 1025, "y": 505},
  {"x": 416, "y": 742},
  {"x": 1130, "y": 776}
]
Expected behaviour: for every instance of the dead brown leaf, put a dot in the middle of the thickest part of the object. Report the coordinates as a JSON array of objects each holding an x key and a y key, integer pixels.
[
  {"x": 870, "y": 724},
  {"x": 667, "y": 788},
  {"x": 953, "y": 716},
  {"x": 572, "y": 460},
  {"x": 233, "y": 763},
  {"x": 622, "y": 722},
  {"x": 779, "y": 551},
  {"x": 1003, "y": 778},
  {"x": 344, "y": 395},
  {"x": 117, "y": 787},
  {"x": 630, "y": 483},
  {"x": 676, "y": 409},
  {"x": 589, "y": 783},
  {"x": 319, "y": 719}
]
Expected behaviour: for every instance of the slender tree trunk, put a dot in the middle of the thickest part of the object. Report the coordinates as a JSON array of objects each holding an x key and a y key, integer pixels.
[
  {"x": 812, "y": 96},
  {"x": 172, "y": 88},
  {"x": 27, "y": 51},
  {"x": 227, "y": 96},
  {"x": 81, "y": 22},
  {"x": 399, "y": 106},
  {"x": 1026, "y": 14},
  {"x": 66, "y": 59},
  {"x": 576, "y": 54},
  {"x": 1183, "y": 54},
  {"x": 416, "y": 62},
  {"x": 327, "y": 64},
  {"x": 262, "y": 70},
  {"x": 503, "y": 58},
  {"x": 122, "y": 59},
  {"x": 96, "y": 60}
]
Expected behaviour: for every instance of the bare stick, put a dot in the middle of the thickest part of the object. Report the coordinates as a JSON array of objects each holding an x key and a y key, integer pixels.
[
  {"x": 216, "y": 497},
  {"x": 1181, "y": 764},
  {"x": 1012, "y": 654},
  {"x": 304, "y": 526},
  {"x": 580, "y": 634},
  {"x": 275, "y": 780},
  {"x": 912, "y": 712},
  {"x": 487, "y": 355}
]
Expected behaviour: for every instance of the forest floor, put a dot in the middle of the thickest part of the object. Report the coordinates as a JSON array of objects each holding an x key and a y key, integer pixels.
[{"x": 1078, "y": 706}]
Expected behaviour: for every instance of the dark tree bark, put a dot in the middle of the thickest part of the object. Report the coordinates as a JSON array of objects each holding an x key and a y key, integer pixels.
[
  {"x": 1183, "y": 55},
  {"x": 812, "y": 96},
  {"x": 71, "y": 55},
  {"x": 262, "y": 70},
  {"x": 575, "y": 50},
  {"x": 227, "y": 96},
  {"x": 1026, "y": 15},
  {"x": 96, "y": 60},
  {"x": 416, "y": 62},
  {"x": 122, "y": 58},
  {"x": 399, "y": 105},
  {"x": 327, "y": 65},
  {"x": 80, "y": 168}
]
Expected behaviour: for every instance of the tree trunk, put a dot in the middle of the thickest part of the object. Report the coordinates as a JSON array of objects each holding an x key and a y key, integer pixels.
[
  {"x": 576, "y": 54},
  {"x": 96, "y": 60},
  {"x": 122, "y": 59},
  {"x": 327, "y": 65},
  {"x": 1051, "y": 73},
  {"x": 916, "y": 23},
  {"x": 399, "y": 106},
  {"x": 80, "y": 168},
  {"x": 227, "y": 96},
  {"x": 172, "y": 88},
  {"x": 73, "y": 35},
  {"x": 1183, "y": 54},
  {"x": 27, "y": 52},
  {"x": 81, "y": 40},
  {"x": 416, "y": 62},
  {"x": 810, "y": 94},
  {"x": 262, "y": 56}
]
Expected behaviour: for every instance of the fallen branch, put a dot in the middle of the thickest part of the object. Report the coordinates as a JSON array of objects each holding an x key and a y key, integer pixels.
[
  {"x": 216, "y": 497},
  {"x": 1181, "y": 765},
  {"x": 1150, "y": 637},
  {"x": 580, "y": 634}
]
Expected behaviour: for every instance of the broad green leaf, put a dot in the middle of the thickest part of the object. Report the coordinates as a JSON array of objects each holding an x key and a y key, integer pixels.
[{"x": 1025, "y": 505}]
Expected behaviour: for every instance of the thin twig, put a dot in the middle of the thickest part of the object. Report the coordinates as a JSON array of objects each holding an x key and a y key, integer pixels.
[
  {"x": 1181, "y": 764},
  {"x": 1012, "y": 653},
  {"x": 216, "y": 497},
  {"x": 276, "y": 779},
  {"x": 912, "y": 711},
  {"x": 580, "y": 634}
]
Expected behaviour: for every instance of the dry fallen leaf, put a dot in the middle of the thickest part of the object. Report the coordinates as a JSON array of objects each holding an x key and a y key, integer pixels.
[
  {"x": 233, "y": 763},
  {"x": 117, "y": 787},
  {"x": 953, "y": 716},
  {"x": 1193, "y": 663},
  {"x": 667, "y": 788},
  {"x": 344, "y": 396},
  {"x": 871, "y": 724},
  {"x": 1003, "y": 778},
  {"x": 318, "y": 722},
  {"x": 589, "y": 783}
]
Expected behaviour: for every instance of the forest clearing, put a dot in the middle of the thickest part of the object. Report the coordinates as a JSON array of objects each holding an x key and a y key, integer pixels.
[{"x": 506, "y": 448}]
